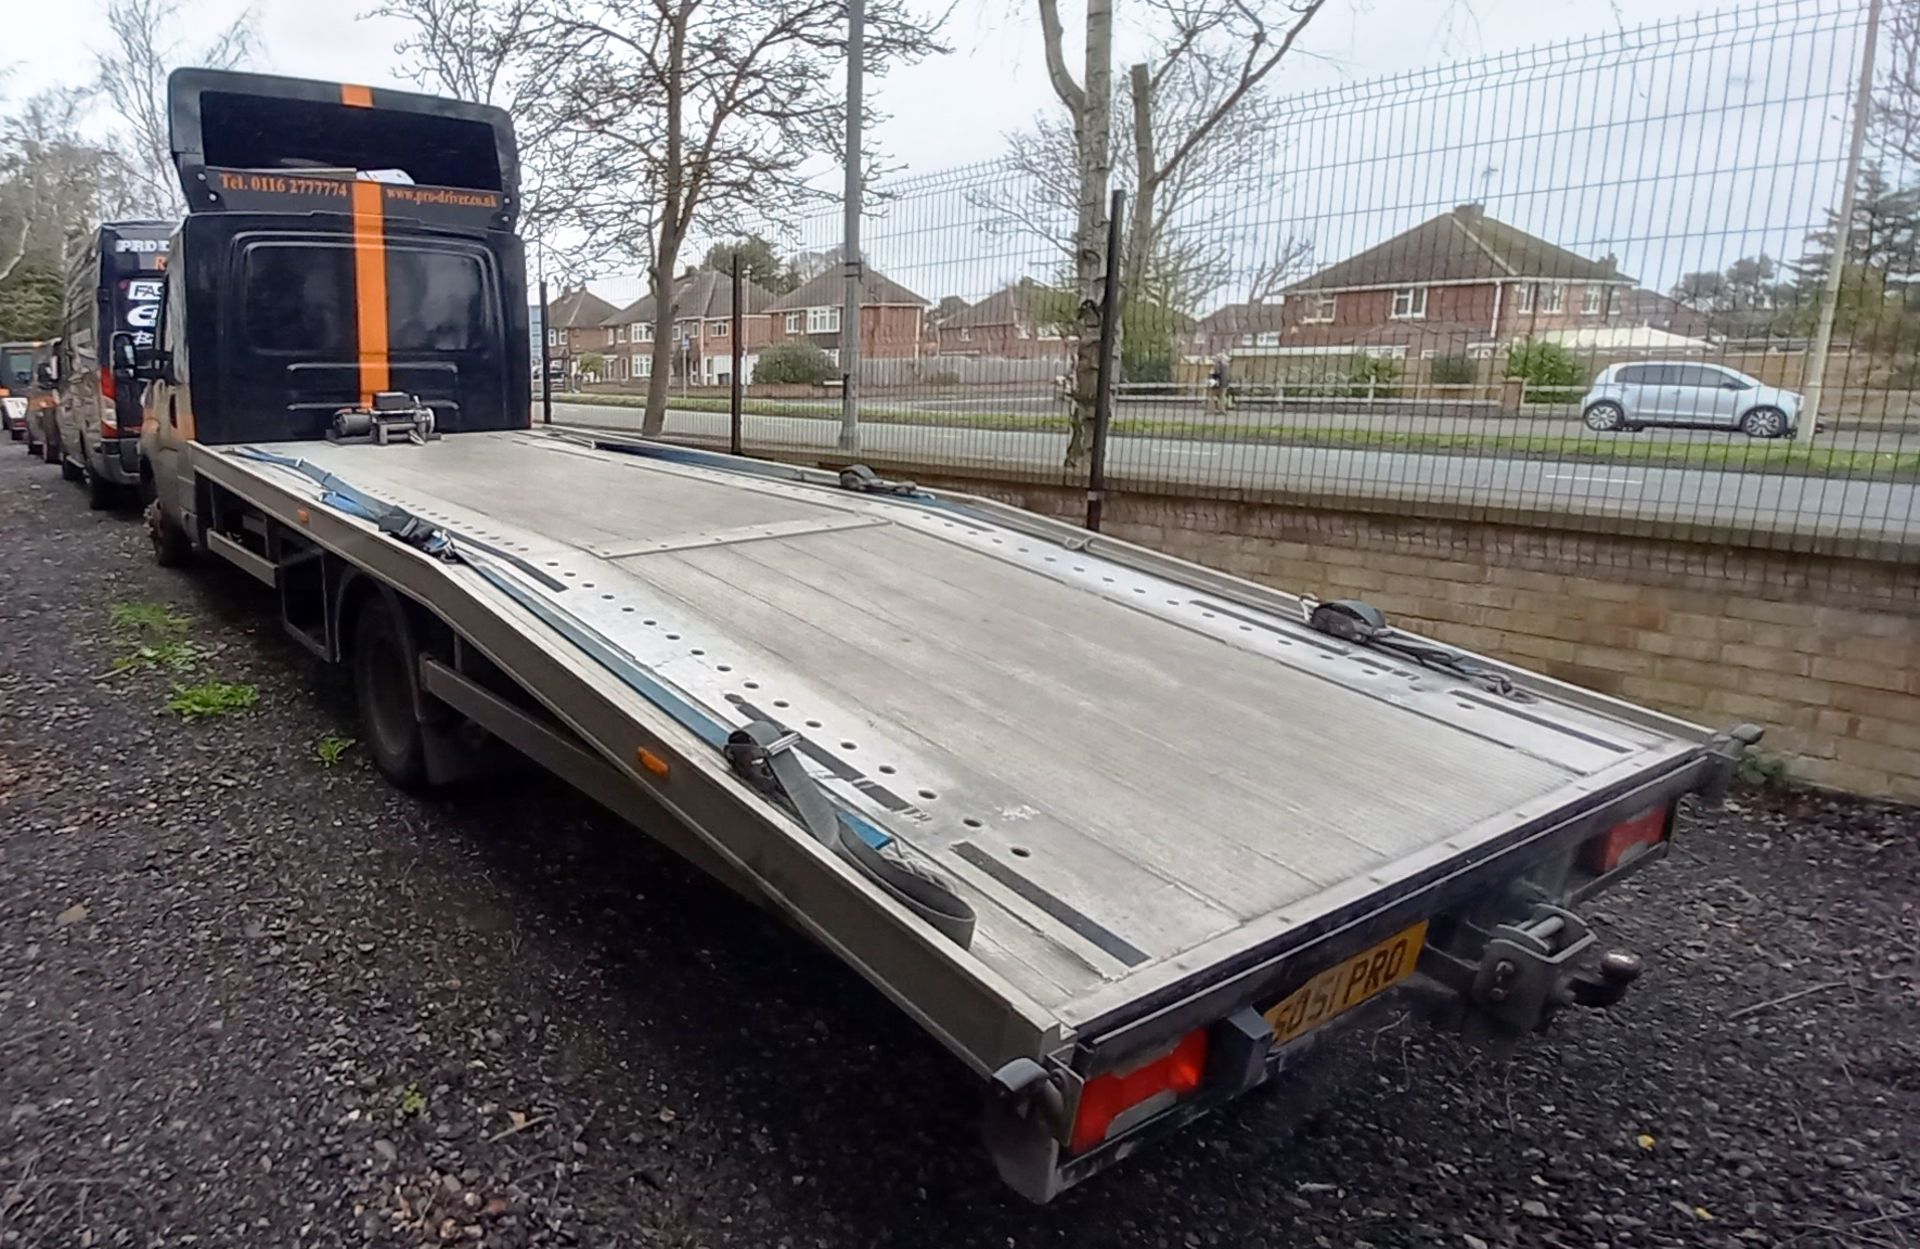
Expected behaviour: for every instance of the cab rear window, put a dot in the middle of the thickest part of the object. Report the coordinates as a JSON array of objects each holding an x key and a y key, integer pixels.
[{"x": 302, "y": 299}]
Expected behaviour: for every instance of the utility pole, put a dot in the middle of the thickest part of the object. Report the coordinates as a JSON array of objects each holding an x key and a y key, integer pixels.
[
  {"x": 850, "y": 315},
  {"x": 546, "y": 369},
  {"x": 1816, "y": 375}
]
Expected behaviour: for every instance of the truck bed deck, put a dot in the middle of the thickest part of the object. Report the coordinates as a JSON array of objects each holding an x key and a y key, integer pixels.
[{"x": 1130, "y": 768}]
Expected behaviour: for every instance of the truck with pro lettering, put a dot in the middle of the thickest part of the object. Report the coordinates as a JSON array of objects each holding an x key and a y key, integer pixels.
[
  {"x": 1123, "y": 834},
  {"x": 113, "y": 280}
]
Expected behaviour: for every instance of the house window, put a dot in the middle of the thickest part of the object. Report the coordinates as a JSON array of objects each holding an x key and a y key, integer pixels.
[
  {"x": 1267, "y": 338},
  {"x": 1321, "y": 309},
  {"x": 1592, "y": 300},
  {"x": 619, "y": 333},
  {"x": 642, "y": 365},
  {"x": 823, "y": 320},
  {"x": 833, "y": 356},
  {"x": 1553, "y": 296},
  {"x": 553, "y": 338},
  {"x": 966, "y": 334},
  {"x": 1523, "y": 297},
  {"x": 609, "y": 338},
  {"x": 1410, "y": 303},
  {"x": 718, "y": 329},
  {"x": 643, "y": 333},
  {"x": 793, "y": 322}
]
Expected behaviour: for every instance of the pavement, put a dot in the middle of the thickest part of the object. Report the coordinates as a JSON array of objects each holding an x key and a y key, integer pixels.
[
  {"x": 1845, "y": 507},
  {"x": 250, "y": 999}
]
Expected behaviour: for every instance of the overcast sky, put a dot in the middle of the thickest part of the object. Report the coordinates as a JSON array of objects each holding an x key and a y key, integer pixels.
[{"x": 957, "y": 109}]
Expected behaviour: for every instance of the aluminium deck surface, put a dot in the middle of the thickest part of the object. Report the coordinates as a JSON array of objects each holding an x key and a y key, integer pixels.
[{"x": 1114, "y": 767}]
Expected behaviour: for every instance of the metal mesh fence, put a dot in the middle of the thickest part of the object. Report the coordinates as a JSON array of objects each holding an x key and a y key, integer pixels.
[{"x": 1579, "y": 283}]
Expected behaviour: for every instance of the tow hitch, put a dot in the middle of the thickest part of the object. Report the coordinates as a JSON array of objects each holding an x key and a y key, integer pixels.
[{"x": 1529, "y": 970}]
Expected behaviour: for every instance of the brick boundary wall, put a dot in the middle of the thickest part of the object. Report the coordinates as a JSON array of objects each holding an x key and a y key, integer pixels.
[{"x": 1822, "y": 650}]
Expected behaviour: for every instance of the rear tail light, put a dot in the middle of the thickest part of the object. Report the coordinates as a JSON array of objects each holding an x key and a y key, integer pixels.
[
  {"x": 1165, "y": 1080},
  {"x": 1624, "y": 841}
]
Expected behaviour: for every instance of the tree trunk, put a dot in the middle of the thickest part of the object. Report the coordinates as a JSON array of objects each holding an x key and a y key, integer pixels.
[
  {"x": 1137, "y": 319},
  {"x": 666, "y": 249},
  {"x": 1093, "y": 136}
]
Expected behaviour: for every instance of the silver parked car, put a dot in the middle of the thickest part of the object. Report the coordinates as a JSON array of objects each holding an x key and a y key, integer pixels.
[{"x": 1688, "y": 393}]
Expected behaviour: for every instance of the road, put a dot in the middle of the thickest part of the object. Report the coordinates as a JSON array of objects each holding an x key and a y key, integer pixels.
[
  {"x": 1849, "y": 432},
  {"x": 1757, "y": 501},
  {"x": 250, "y": 999}
]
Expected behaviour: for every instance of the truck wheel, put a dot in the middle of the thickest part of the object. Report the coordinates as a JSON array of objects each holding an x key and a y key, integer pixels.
[
  {"x": 385, "y": 682},
  {"x": 101, "y": 493},
  {"x": 69, "y": 471},
  {"x": 172, "y": 548}
]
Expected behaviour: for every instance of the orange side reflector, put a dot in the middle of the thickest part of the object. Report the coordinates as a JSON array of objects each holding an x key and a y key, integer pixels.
[
  {"x": 1107, "y": 1097},
  {"x": 300, "y": 514},
  {"x": 652, "y": 762}
]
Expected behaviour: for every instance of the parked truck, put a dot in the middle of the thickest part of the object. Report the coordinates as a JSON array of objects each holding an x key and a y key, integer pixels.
[{"x": 1123, "y": 834}]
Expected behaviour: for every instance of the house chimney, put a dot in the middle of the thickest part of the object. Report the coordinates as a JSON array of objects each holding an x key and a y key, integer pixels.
[{"x": 1470, "y": 213}]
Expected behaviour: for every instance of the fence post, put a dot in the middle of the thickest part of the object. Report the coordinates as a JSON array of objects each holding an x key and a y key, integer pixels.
[
  {"x": 1103, "y": 385},
  {"x": 733, "y": 400},
  {"x": 546, "y": 366}
]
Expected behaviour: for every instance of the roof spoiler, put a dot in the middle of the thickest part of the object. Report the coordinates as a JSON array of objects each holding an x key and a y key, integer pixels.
[{"x": 259, "y": 142}]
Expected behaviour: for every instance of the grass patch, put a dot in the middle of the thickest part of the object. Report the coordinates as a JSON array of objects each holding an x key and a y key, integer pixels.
[
  {"x": 173, "y": 655},
  {"x": 147, "y": 619},
  {"x": 211, "y": 698},
  {"x": 332, "y": 748},
  {"x": 412, "y": 1100},
  {"x": 1774, "y": 456}
]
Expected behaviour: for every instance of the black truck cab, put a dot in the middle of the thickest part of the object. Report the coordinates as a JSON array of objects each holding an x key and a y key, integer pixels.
[{"x": 345, "y": 249}]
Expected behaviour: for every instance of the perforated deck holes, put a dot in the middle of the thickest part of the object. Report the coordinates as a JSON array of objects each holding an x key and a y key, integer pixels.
[
  {"x": 928, "y": 793},
  {"x": 1020, "y": 852},
  {"x": 970, "y": 822}
]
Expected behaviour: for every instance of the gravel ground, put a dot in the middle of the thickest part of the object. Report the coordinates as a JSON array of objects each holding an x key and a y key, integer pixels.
[{"x": 249, "y": 999}]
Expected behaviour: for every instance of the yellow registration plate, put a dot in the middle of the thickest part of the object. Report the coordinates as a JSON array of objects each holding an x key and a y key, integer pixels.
[{"x": 1339, "y": 989}]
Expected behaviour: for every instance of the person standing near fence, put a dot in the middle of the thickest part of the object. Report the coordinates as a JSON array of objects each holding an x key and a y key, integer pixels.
[{"x": 1219, "y": 386}]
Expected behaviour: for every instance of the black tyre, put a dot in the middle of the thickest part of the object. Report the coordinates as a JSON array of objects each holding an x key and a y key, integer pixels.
[
  {"x": 69, "y": 471},
  {"x": 18, "y": 435},
  {"x": 1764, "y": 423},
  {"x": 385, "y": 675},
  {"x": 1605, "y": 417},
  {"x": 172, "y": 548},
  {"x": 101, "y": 493}
]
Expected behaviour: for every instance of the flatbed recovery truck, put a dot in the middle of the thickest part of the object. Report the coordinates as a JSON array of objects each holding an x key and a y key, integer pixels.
[{"x": 1124, "y": 834}]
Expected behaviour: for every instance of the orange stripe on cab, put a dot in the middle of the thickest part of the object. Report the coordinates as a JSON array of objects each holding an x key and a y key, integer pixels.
[
  {"x": 370, "y": 284},
  {"x": 356, "y": 97}
]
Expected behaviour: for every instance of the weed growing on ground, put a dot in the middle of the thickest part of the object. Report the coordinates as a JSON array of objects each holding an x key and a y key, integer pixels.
[{"x": 210, "y": 698}]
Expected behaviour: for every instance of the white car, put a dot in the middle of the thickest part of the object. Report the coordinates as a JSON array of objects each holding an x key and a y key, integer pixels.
[
  {"x": 13, "y": 416},
  {"x": 1691, "y": 394}
]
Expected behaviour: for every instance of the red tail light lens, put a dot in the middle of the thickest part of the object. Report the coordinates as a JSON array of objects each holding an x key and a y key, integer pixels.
[
  {"x": 1105, "y": 1098},
  {"x": 1624, "y": 840},
  {"x": 108, "y": 387}
]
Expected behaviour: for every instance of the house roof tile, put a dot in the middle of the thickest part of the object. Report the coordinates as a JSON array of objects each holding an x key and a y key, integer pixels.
[
  {"x": 1460, "y": 246},
  {"x": 829, "y": 288}
]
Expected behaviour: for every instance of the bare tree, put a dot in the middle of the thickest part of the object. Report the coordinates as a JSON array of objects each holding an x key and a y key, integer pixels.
[
  {"x": 131, "y": 79},
  {"x": 51, "y": 181},
  {"x": 493, "y": 52},
  {"x": 1197, "y": 117},
  {"x": 701, "y": 111},
  {"x": 1089, "y": 105},
  {"x": 1895, "y": 113}
]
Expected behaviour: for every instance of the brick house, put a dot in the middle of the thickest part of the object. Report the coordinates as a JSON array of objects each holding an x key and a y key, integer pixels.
[
  {"x": 892, "y": 318},
  {"x": 1460, "y": 283},
  {"x": 702, "y": 330},
  {"x": 1238, "y": 326},
  {"x": 574, "y": 328},
  {"x": 1003, "y": 324}
]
